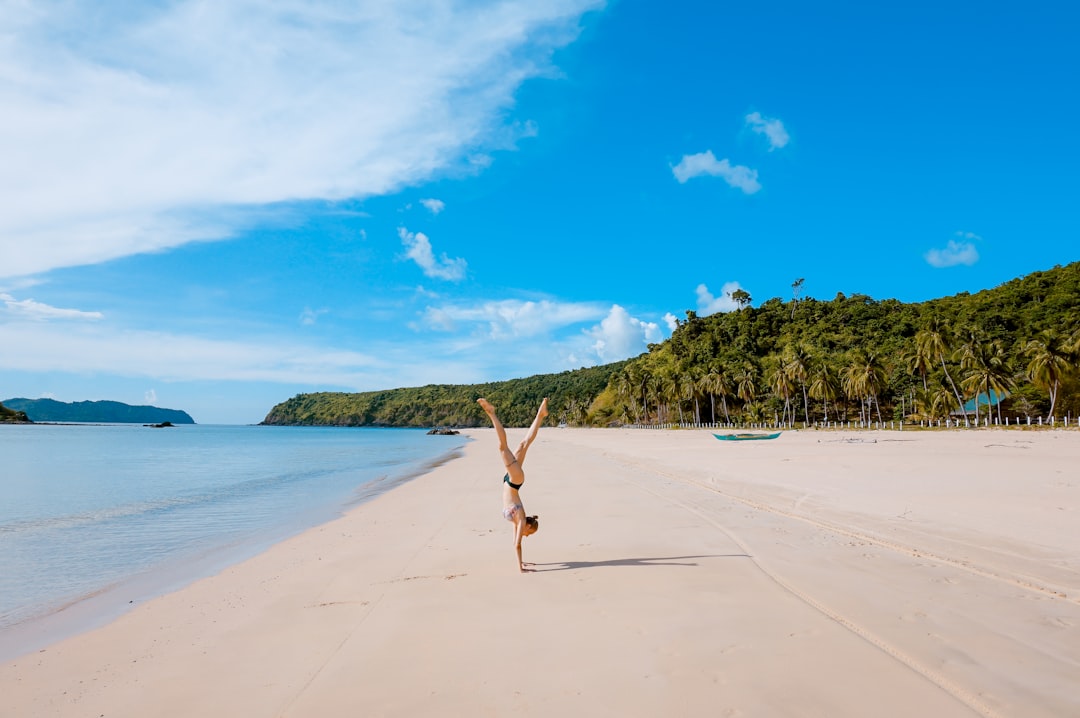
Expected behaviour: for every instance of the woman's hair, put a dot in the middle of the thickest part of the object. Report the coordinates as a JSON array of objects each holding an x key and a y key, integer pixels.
[{"x": 533, "y": 521}]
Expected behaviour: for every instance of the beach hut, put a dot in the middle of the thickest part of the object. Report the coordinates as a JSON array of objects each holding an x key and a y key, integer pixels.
[{"x": 985, "y": 401}]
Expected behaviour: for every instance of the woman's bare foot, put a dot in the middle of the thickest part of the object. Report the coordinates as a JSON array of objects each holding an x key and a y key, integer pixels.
[
  {"x": 543, "y": 409},
  {"x": 486, "y": 405}
]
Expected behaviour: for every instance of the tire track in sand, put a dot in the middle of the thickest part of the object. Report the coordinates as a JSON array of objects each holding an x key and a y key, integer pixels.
[
  {"x": 957, "y": 692},
  {"x": 962, "y": 564}
]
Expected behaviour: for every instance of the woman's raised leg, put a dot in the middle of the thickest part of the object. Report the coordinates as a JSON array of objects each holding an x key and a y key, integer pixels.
[
  {"x": 541, "y": 414},
  {"x": 508, "y": 456}
]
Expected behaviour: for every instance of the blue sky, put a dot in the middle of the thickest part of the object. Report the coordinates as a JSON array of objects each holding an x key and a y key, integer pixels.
[{"x": 215, "y": 206}]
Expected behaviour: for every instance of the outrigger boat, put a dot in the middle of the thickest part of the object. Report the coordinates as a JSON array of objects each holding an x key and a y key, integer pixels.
[{"x": 746, "y": 437}]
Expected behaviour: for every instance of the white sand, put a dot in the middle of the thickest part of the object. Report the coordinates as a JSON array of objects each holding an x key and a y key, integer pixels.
[{"x": 898, "y": 574}]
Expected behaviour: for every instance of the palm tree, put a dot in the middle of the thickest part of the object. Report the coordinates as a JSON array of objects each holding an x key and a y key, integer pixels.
[
  {"x": 849, "y": 382},
  {"x": 796, "y": 289},
  {"x": 670, "y": 392},
  {"x": 1073, "y": 342},
  {"x": 933, "y": 341},
  {"x": 746, "y": 382},
  {"x": 824, "y": 386},
  {"x": 715, "y": 383},
  {"x": 919, "y": 361},
  {"x": 642, "y": 380},
  {"x": 934, "y": 402},
  {"x": 650, "y": 384},
  {"x": 1050, "y": 362},
  {"x": 797, "y": 366},
  {"x": 987, "y": 370},
  {"x": 783, "y": 387},
  {"x": 575, "y": 412},
  {"x": 625, "y": 390},
  {"x": 864, "y": 378},
  {"x": 688, "y": 389},
  {"x": 754, "y": 413}
]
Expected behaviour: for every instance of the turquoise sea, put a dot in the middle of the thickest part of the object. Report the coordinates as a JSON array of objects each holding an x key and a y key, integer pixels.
[{"x": 96, "y": 517}]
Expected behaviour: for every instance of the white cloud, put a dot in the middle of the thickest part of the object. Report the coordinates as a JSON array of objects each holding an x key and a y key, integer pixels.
[
  {"x": 772, "y": 128},
  {"x": 705, "y": 163},
  {"x": 956, "y": 252},
  {"x": 672, "y": 321},
  {"x": 620, "y": 335},
  {"x": 418, "y": 249},
  {"x": 29, "y": 309},
  {"x": 433, "y": 205},
  {"x": 491, "y": 341},
  {"x": 132, "y": 131},
  {"x": 102, "y": 351},
  {"x": 708, "y": 304},
  {"x": 613, "y": 336},
  {"x": 310, "y": 316},
  {"x": 150, "y": 397},
  {"x": 90, "y": 348},
  {"x": 512, "y": 318}
]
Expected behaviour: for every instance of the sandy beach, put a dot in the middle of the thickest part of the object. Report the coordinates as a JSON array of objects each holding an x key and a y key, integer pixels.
[{"x": 819, "y": 574}]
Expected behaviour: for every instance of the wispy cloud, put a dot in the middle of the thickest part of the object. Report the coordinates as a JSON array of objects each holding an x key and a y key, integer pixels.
[
  {"x": 708, "y": 304},
  {"x": 433, "y": 205},
  {"x": 772, "y": 128},
  {"x": 511, "y": 318},
  {"x": 705, "y": 163},
  {"x": 310, "y": 316},
  {"x": 488, "y": 341},
  {"x": 131, "y": 131},
  {"x": 957, "y": 251},
  {"x": 36, "y": 311},
  {"x": 174, "y": 357},
  {"x": 418, "y": 249}
]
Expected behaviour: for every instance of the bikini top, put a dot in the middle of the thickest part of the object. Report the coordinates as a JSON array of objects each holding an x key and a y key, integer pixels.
[{"x": 506, "y": 480}]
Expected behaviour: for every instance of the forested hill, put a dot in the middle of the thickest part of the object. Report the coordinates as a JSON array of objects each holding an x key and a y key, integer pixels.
[
  {"x": 789, "y": 361},
  {"x": 856, "y": 358},
  {"x": 9, "y": 416},
  {"x": 104, "y": 412},
  {"x": 570, "y": 393}
]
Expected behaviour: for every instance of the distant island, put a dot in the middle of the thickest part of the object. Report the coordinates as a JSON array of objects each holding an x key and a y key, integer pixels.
[
  {"x": 107, "y": 412},
  {"x": 9, "y": 416}
]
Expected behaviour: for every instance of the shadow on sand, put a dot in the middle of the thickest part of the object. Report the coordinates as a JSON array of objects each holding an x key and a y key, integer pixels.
[{"x": 663, "y": 561}]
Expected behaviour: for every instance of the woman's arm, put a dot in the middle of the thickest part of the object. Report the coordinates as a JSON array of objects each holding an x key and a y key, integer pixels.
[{"x": 519, "y": 533}]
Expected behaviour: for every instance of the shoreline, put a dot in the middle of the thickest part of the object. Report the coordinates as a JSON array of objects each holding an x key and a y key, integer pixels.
[
  {"x": 924, "y": 573},
  {"x": 99, "y": 608}
]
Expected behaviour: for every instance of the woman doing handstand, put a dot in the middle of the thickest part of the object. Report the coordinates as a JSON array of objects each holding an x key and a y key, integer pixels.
[{"x": 513, "y": 510}]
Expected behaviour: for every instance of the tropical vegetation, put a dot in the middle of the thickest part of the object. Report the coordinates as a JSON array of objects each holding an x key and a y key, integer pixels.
[
  {"x": 570, "y": 394},
  {"x": 855, "y": 359},
  {"x": 801, "y": 361}
]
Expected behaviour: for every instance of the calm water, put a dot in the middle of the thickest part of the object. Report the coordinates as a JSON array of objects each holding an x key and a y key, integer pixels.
[{"x": 87, "y": 508}]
